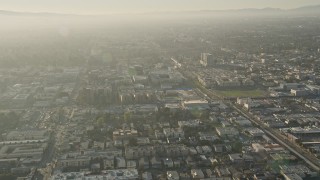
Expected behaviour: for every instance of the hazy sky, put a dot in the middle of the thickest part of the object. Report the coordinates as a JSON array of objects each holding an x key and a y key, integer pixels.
[{"x": 123, "y": 6}]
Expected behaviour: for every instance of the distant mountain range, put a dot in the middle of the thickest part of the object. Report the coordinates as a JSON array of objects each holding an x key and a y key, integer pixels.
[
  {"x": 301, "y": 10},
  {"x": 314, "y": 7},
  {"x": 16, "y": 13},
  {"x": 306, "y": 10}
]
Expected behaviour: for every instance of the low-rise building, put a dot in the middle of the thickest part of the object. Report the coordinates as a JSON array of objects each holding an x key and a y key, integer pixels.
[
  {"x": 173, "y": 132},
  {"x": 121, "y": 174},
  {"x": 122, "y": 134},
  {"x": 81, "y": 161},
  {"x": 120, "y": 162},
  {"x": 227, "y": 132},
  {"x": 197, "y": 174},
  {"x": 172, "y": 175},
  {"x": 108, "y": 162}
]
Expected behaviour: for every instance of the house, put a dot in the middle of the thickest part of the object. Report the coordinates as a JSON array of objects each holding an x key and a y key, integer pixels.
[
  {"x": 207, "y": 137},
  {"x": 177, "y": 163},
  {"x": 122, "y": 134},
  {"x": 219, "y": 148},
  {"x": 206, "y": 149},
  {"x": 155, "y": 163},
  {"x": 241, "y": 159},
  {"x": 113, "y": 152},
  {"x": 192, "y": 151},
  {"x": 173, "y": 175},
  {"x": 95, "y": 168},
  {"x": 139, "y": 151},
  {"x": 108, "y": 162},
  {"x": 146, "y": 176},
  {"x": 190, "y": 123},
  {"x": 213, "y": 161},
  {"x": 204, "y": 161},
  {"x": 190, "y": 161},
  {"x": 143, "y": 141},
  {"x": 197, "y": 174},
  {"x": 222, "y": 172},
  {"x": 144, "y": 163},
  {"x": 199, "y": 150},
  {"x": 209, "y": 173},
  {"x": 176, "y": 150},
  {"x": 158, "y": 134},
  {"x": 173, "y": 132},
  {"x": 185, "y": 176},
  {"x": 120, "y": 162},
  {"x": 131, "y": 164},
  {"x": 167, "y": 162},
  {"x": 227, "y": 132}
]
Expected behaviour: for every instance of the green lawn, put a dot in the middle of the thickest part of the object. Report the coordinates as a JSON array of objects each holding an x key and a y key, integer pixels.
[{"x": 242, "y": 93}]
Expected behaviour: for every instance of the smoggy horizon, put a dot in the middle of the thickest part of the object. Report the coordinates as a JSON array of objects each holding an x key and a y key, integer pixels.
[{"x": 141, "y": 6}]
